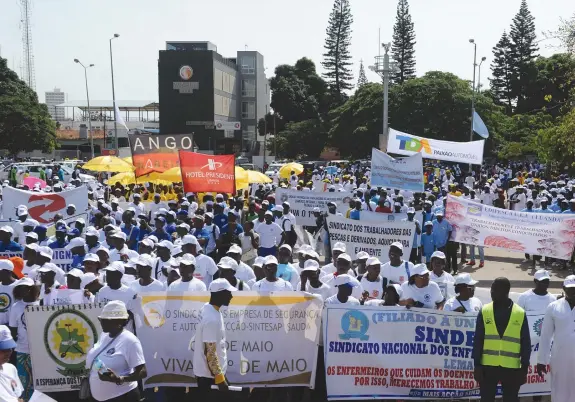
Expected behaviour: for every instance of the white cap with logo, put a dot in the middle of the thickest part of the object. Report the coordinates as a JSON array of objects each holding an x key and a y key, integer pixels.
[{"x": 221, "y": 284}]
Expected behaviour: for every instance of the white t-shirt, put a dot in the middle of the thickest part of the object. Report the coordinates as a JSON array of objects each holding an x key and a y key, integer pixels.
[
  {"x": 429, "y": 295},
  {"x": 18, "y": 320},
  {"x": 471, "y": 305},
  {"x": 10, "y": 386},
  {"x": 124, "y": 293},
  {"x": 195, "y": 285},
  {"x": 529, "y": 301},
  {"x": 446, "y": 283},
  {"x": 122, "y": 356},
  {"x": 205, "y": 269},
  {"x": 396, "y": 274},
  {"x": 270, "y": 235},
  {"x": 209, "y": 330},
  {"x": 155, "y": 286},
  {"x": 266, "y": 286},
  {"x": 375, "y": 289},
  {"x": 324, "y": 290},
  {"x": 116, "y": 255},
  {"x": 6, "y": 300},
  {"x": 327, "y": 269},
  {"x": 334, "y": 300},
  {"x": 245, "y": 272}
]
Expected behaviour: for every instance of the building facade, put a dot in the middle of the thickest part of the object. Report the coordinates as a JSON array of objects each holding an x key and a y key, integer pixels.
[
  {"x": 219, "y": 100},
  {"x": 54, "y": 98}
]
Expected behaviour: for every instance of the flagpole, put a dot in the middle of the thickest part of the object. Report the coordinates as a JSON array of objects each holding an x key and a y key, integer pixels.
[{"x": 114, "y": 98}]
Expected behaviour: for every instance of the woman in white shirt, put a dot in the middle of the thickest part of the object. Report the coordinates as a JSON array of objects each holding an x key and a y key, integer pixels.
[
  {"x": 116, "y": 362},
  {"x": 10, "y": 386},
  {"x": 27, "y": 293},
  {"x": 464, "y": 302},
  {"x": 438, "y": 275},
  {"x": 418, "y": 291}
]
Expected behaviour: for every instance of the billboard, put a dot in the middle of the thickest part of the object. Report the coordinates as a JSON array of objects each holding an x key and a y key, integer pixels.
[{"x": 157, "y": 153}]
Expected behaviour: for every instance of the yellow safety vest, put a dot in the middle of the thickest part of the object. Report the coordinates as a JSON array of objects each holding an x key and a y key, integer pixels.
[{"x": 502, "y": 351}]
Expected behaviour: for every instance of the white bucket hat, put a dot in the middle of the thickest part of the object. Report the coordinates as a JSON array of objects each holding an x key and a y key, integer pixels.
[{"x": 114, "y": 310}]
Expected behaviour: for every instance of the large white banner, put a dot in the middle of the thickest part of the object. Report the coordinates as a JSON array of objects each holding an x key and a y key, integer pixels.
[
  {"x": 302, "y": 203},
  {"x": 550, "y": 235},
  {"x": 59, "y": 339},
  {"x": 403, "y": 174},
  {"x": 271, "y": 338},
  {"x": 395, "y": 353},
  {"x": 408, "y": 144},
  {"x": 371, "y": 237},
  {"x": 43, "y": 206}
]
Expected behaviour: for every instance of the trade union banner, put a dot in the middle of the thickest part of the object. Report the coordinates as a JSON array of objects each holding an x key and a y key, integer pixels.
[
  {"x": 408, "y": 144},
  {"x": 403, "y": 174},
  {"x": 43, "y": 206},
  {"x": 371, "y": 237},
  {"x": 395, "y": 353},
  {"x": 59, "y": 339},
  {"x": 203, "y": 173},
  {"x": 302, "y": 203},
  {"x": 550, "y": 235},
  {"x": 157, "y": 153},
  {"x": 271, "y": 339}
]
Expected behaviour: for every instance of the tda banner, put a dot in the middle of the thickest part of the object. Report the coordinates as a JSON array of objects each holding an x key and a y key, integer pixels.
[
  {"x": 157, "y": 153},
  {"x": 403, "y": 174},
  {"x": 43, "y": 206},
  {"x": 203, "y": 173},
  {"x": 408, "y": 144}
]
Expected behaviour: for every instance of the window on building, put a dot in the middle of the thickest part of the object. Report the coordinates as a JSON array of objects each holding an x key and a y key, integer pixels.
[
  {"x": 249, "y": 133},
  {"x": 248, "y": 110},
  {"x": 249, "y": 88},
  {"x": 248, "y": 65},
  {"x": 218, "y": 79}
]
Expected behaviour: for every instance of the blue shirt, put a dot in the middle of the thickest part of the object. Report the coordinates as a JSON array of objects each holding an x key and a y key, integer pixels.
[
  {"x": 239, "y": 229},
  {"x": 544, "y": 211},
  {"x": 132, "y": 234},
  {"x": 354, "y": 214},
  {"x": 428, "y": 217},
  {"x": 161, "y": 235},
  {"x": 77, "y": 261},
  {"x": 12, "y": 246},
  {"x": 56, "y": 245},
  {"x": 555, "y": 208},
  {"x": 285, "y": 271},
  {"x": 201, "y": 234},
  {"x": 441, "y": 232},
  {"x": 220, "y": 220},
  {"x": 428, "y": 244},
  {"x": 568, "y": 211},
  {"x": 143, "y": 234},
  {"x": 170, "y": 228},
  {"x": 527, "y": 210}
]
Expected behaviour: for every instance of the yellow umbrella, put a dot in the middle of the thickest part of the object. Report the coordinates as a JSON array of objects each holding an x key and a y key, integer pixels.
[
  {"x": 257, "y": 177},
  {"x": 242, "y": 180},
  {"x": 285, "y": 170},
  {"x": 108, "y": 164},
  {"x": 172, "y": 175},
  {"x": 128, "y": 159},
  {"x": 130, "y": 178}
]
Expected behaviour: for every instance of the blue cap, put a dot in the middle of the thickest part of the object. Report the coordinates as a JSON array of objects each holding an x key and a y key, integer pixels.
[
  {"x": 161, "y": 219},
  {"x": 61, "y": 229},
  {"x": 74, "y": 232},
  {"x": 40, "y": 229},
  {"x": 183, "y": 212}
]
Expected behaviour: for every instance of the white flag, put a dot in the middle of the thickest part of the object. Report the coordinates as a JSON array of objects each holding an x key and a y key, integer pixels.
[{"x": 119, "y": 118}]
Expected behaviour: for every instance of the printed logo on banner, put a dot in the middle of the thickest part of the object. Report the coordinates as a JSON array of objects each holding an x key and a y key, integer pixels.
[
  {"x": 408, "y": 143},
  {"x": 153, "y": 315},
  {"x": 51, "y": 203},
  {"x": 68, "y": 336},
  {"x": 474, "y": 210},
  {"x": 284, "y": 197},
  {"x": 354, "y": 324},
  {"x": 5, "y": 302}
]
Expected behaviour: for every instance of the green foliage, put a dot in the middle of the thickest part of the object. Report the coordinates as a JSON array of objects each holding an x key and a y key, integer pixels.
[
  {"x": 362, "y": 80},
  {"x": 403, "y": 45},
  {"x": 25, "y": 124},
  {"x": 337, "y": 58},
  {"x": 501, "y": 70},
  {"x": 556, "y": 143},
  {"x": 300, "y": 140}
]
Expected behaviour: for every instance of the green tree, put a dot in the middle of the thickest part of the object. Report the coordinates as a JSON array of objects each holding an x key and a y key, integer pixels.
[
  {"x": 556, "y": 143},
  {"x": 403, "y": 45},
  {"x": 25, "y": 124},
  {"x": 524, "y": 51},
  {"x": 362, "y": 80},
  {"x": 501, "y": 70},
  {"x": 519, "y": 134},
  {"x": 565, "y": 33},
  {"x": 337, "y": 58},
  {"x": 304, "y": 139}
]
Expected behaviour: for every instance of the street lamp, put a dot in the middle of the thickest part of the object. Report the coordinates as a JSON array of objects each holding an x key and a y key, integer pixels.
[
  {"x": 472, "y": 41},
  {"x": 382, "y": 68},
  {"x": 88, "y": 99},
  {"x": 479, "y": 74},
  {"x": 114, "y": 95}
]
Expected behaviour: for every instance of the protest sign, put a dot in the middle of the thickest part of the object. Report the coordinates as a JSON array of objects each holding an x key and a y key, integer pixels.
[
  {"x": 157, "y": 153},
  {"x": 60, "y": 338},
  {"x": 302, "y": 203},
  {"x": 550, "y": 235},
  {"x": 62, "y": 258},
  {"x": 271, "y": 339},
  {"x": 43, "y": 206},
  {"x": 202, "y": 172},
  {"x": 371, "y": 237},
  {"x": 394, "y": 353},
  {"x": 408, "y": 144},
  {"x": 65, "y": 297},
  {"x": 403, "y": 174}
]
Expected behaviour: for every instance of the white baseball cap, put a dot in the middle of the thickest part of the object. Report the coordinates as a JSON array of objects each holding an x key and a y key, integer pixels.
[
  {"x": 190, "y": 239},
  {"x": 259, "y": 262},
  {"x": 33, "y": 246},
  {"x": 75, "y": 242},
  {"x": 188, "y": 259},
  {"x": 7, "y": 229},
  {"x": 465, "y": 279},
  {"x": 362, "y": 255},
  {"x": 228, "y": 263},
  {"x": 311, "y": 265},
  {"x": 397, "y": 244},
  {"x": 184, "y": 225},
  {"x": 372, "y": 261},
  {"x": 344, "y": 256},
  {"x": 46, "y": 252},
  {"x": 6, "y": 265},
  {"x": 397, "y": 288},
  {"x": 419, "y": 269},
  {"x": 345, "y": 279},
  {"x": 6, "y": 340},
  {"x": 286, "y": 246},
  {"x": 270, "y": 259},
  {"x": 148, "y": 242},
  {"x": 339, "y": 246},
  {"x": 541, "y": 275},
  {"x": 144, "y": 260},
  {"x": 48, "y": 267},
  {"x": 88, "y": 278},
  {"x": 221, "y": 284},
  {"x": 91, "y": 257},
  {"x": 166, "y": 244},
  {"x": 75, "y": 272},
  {"x": 114, "y": 310},
  {"x": 438, "y": 254},
  {"x": 234, "y": 249},
  {"x": 116, "y": 266},
  {"x": 26, "y": 281},
  {"x": 32, "y": 235},
  {"x": 92, "y": 231},
  {"x": 22, "y": 210},
  {"x": 569, "y": 282},
  {"x": 119, "y": 235}
]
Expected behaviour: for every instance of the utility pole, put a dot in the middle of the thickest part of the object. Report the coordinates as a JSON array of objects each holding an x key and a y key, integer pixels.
[
  {"x": 114, "y": 98},
  {"x": 88, "y": 101},
  {"x": 383, "y": 67},
  {"x": 472, "y": 41}
]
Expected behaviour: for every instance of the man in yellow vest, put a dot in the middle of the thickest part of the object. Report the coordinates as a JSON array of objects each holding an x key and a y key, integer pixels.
[{"x": 502, "y": 345}]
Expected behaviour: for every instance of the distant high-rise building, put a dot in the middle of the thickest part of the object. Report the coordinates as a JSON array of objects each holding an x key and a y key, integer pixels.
[{"x": 54, "y": 98}]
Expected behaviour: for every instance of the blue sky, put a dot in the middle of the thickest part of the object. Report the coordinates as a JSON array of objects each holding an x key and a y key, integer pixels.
[{"x": 281, "y": 31}]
